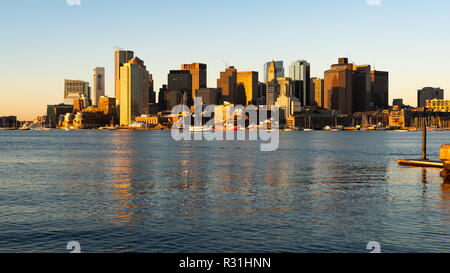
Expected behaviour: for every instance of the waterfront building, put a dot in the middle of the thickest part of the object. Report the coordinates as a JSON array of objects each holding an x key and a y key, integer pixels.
[
  {"x": 227, "y": 83},
  {"x": 8, "y": 122},
  {"x": 198, "y": 73},
  {"x": 210, "y": 96},
  {"x": 278, "y": 69},
  {"x": 249, "y": 80},
  {"x": 99, "y": 84},
  {"x": 399, "y": 118},
  {"x": 134, "y": 90},
  {"x": 317, "y": 86},
  {"x": 80, "y": 103},
  {"x": 380, "y": 89},
  {"x": 180, "y": 80},
  {"x": 150, "y": 121},
  {"x": 74, "y": 88},
  {"x": 89, "y": 118},
  {"x": 121, "y": 57},
  {"x": 300, "y": 72},
  {"x": 362, "y": 88},
  {"x": 338, "y": 89},
  {"x": 55, "y": 111},
  {"x": 107, "y": 105},
  {"x": 436, "y": 105},
  {"x": 428, "y": 93}
]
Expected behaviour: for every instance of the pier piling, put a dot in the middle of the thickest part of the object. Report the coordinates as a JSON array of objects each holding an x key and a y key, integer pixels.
[{"x": 424, "y": 142}]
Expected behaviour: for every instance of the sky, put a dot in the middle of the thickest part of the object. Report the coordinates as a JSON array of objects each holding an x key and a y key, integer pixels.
[{"x": 44, "y": 42}]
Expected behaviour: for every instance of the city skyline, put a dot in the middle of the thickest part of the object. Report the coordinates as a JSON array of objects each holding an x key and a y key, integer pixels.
[{"x": 90, "y": 43}]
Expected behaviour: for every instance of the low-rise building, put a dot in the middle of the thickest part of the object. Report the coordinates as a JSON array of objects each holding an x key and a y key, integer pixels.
[
  {"x": 8, "y": 122},
  {"x": 55, "y": 111},
  {"x": 436, "y": 105}
]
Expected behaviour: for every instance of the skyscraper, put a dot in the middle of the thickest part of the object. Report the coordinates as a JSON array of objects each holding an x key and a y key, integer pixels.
[
  {"x": 380, "y": 89},
  {"x": 198, "y": 72},
  {"x": 181, "y": 80},
  {"x": 151, "y": 89},
  {"x": 278, "y": 67},
  {"x": 133, "y": 90},
  {"x": 428, "y": 93},
  {"x": 300, "y": 71},
  {"x": 338, "y": 88},
  {"x": 249, "y": 80},
  {"x": 120, "y": 58},
  {"x": 227, "y": 83},
  {"x": 362, "y": 88},
  {"x": 317, "y": 86},
  {"x": 99, "y": 84}
]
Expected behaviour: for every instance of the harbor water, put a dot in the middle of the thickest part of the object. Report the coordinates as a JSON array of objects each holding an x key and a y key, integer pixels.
[{"x": 141, "y": 191}]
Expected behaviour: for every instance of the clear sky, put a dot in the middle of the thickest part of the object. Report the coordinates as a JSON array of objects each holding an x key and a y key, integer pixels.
[{"x": 44, "y": 42}]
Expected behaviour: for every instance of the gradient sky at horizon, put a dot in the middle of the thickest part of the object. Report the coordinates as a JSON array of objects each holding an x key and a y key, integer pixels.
[{"x": 45, "y": 42}]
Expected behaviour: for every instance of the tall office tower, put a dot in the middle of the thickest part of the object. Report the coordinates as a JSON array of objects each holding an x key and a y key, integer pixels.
[
  {"x": 73, "y": 89},
  {"x": 428, "y": 93},
  {"x": 272, "y": 93},
  {"x": 279, "y": 70},
  {"x": 249, "y": 79},
  {"x": 338, "y": 87},
  {"x": 362, "y": 88},
  {"x": 380, "y": 89},
  {"x": 198, "y": 72},
  {"x": 120, "y": 58},
  {"x": 181, "y": 80},
  {"x": 133, "y": 90},
  {"x": 227, "y": 83},
  {"x": 317, "y": 89},
  {"x": 151, "y": 89},
  {"x": 162, "y": 97},
  {"x": 99, "y": 84},
  {"x": 301, "y": 71}
]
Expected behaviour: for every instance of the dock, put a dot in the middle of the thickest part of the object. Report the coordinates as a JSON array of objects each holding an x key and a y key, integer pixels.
[
  {"x": 424, "y": 162},
  {"x": 421, "y": 163}
]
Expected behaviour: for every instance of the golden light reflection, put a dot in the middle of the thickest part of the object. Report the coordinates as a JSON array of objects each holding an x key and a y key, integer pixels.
[{"x": 122, "y": 159}]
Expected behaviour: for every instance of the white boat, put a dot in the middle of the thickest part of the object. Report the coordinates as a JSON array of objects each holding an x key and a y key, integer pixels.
[{"x": 199, "y": 128}]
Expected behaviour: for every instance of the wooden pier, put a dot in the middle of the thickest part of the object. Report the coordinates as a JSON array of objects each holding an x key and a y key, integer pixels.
[
  {"x": 424, "y": 162},
  {"x": 421, "y": 163}
]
